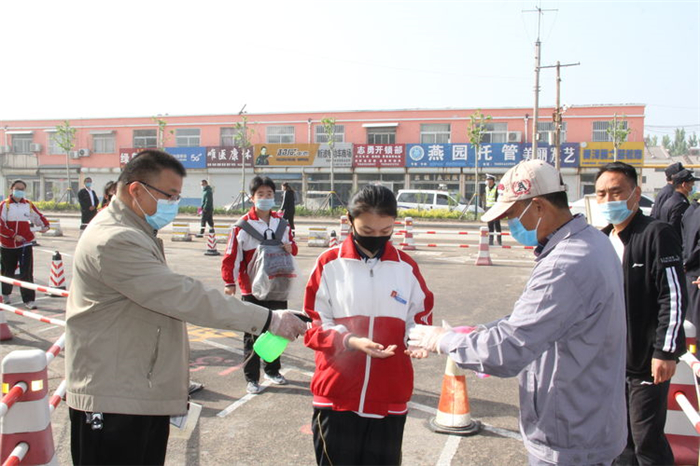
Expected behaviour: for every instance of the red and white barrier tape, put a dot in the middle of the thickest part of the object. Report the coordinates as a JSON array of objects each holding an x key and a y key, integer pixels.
[
  {"x": 435, "y": 232},
  {"x": 688, "y": 409},
  {"x": 693, "y": 362},
  {"x": 17, "y": 454},
  {"x": 35, "y": 287},
  {"x": 436, "y": 245},
  {"x": 32, "y": 315},
  {"x": 11, "y": 397},
  {"x": 56, "y": 348},
  {"x": 57, "y": 396}
]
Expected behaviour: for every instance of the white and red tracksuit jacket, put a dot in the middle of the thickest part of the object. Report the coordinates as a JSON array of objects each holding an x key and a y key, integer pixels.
[
  {"x": 15, "y": 218},
  {"x": 378, "y": 299},
  {"x": 241, "y": 247}
]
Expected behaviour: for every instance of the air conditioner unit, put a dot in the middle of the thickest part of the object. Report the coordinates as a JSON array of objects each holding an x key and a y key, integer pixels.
[
  {"x": 33, "y": 147},
  {"x": 83, "y": 152},
  {"x": 74, "y": 154},
  {"x": 515, "y": 136}
]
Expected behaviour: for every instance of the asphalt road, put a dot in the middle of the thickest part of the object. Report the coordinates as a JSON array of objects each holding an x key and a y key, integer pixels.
[{"x": 274, "y": 426}]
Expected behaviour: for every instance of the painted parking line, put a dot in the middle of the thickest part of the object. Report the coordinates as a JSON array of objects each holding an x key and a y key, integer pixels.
[{"x": 237, "y": 404}]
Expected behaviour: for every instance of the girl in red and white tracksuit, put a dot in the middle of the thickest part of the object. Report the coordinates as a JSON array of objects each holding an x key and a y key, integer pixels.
[{"x": 364, "y": 296}]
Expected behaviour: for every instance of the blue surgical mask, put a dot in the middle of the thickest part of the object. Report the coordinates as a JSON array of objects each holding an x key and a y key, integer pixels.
[
  {"x": 88, "y": 184},
  {"x": 615, "y": 212},
  {"x": 18, "y": 194},
  {"x": 166, "y": 211},
  {"x": 520, "y": 233},
  {"x": 692, "y": 191},
  {"x": 264, "y": 204}
]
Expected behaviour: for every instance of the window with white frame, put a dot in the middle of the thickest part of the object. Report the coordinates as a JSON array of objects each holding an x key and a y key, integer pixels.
[
  {"x": 52, "y": 144},
  {"x": 338, "y": 134},
  {"x": 600, "y": 131},
  {"x": 187, "y": 137},
  {"x": 103, "y": 143},
  {"x": 228, "y": 137},
  {"x": 435, "y": 133},
  {"x": 386, "y": 135},
  {"x": 545, "y": 127},
  {"x": 279, "y": 134},
  {"x": 21, "y": 143},
  {"x": 145, "y": 138},
  {"x": 495, "y": 132}
]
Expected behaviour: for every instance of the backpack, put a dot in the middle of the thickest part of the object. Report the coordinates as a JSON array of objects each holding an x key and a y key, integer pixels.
[{"x": 271, "y": 269}]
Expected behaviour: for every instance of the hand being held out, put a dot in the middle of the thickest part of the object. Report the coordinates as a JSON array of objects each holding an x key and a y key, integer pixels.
[{"x": 370, "y": 348}]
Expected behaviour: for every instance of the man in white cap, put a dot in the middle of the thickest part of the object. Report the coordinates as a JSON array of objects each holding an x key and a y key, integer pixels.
[{"x": 565, "y": 336}]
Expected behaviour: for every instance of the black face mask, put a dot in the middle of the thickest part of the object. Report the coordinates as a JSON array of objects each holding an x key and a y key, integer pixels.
[{"x": 371, "y": 243}]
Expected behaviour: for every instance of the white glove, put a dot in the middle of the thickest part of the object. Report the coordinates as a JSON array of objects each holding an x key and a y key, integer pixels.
[
  {"x": 287, "y": 325},
  {"x": 426, "y": 337}
]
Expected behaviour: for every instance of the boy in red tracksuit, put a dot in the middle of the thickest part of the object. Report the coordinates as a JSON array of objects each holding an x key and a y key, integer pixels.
[
  {"x": 17, "y": 215},
  {"x": 234, "y": 267},
  {"x": 364, "y": 296}
]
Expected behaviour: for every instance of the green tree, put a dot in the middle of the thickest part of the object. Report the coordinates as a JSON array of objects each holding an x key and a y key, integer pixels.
[
  {"x": 693, "y": 140},
  {"x": 679, "y": 146},
  {"x": 241, "y": 138},
  {"x": 65, "y": 138},
  {"x": 666, "y": 142},
  {"x": 618, "y": 131},
  {"x": 163, "y": 133},
  {"x": 475, "y": 133},
  {"x": 329, "y": 129},
  {"x": 651, "y": 141}
]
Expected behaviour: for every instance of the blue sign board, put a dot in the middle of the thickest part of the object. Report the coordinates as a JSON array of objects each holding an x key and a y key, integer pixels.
[
  {"x": 436, "y": 155},
  {"x": 190, "y": 157},
  {"x": 499, "y": 155}
]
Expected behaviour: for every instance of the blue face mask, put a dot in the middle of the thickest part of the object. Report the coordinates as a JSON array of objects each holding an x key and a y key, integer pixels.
[
  {"x": 520, "y": 233},
  {"x": 615, "y": 212},
  {"x": 88, "y": 184},
  {"x": 166, "y": 211},
  {"x": 18, "y": 194},
  {"x": 264, "y": 204}
]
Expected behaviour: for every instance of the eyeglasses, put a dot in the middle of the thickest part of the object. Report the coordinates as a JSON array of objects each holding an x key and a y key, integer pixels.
[{"x": 170, "y": 197}]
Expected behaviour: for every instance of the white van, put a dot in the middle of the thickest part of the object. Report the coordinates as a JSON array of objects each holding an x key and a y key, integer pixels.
[{"x": 427, "y": 199}]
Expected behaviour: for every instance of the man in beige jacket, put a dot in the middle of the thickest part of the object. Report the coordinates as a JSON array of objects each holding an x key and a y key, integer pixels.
[{"x": 127, "y": 351}]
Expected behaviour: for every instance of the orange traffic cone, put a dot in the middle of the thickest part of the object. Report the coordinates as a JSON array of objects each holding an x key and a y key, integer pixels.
[
  {"x": 334, "y": 240},
  {"x": 211, "y": 245},
  {"x": 484, "y": 257},
  {"x": 453, "y": 416}
]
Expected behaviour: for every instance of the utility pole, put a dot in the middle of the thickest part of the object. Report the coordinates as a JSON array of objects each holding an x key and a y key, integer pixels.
[
  {"x": 538, "y": 49},
  {"x": 557, "y": 116}
]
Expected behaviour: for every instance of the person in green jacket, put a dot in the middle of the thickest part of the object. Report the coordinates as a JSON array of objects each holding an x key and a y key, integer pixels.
[{"x": 207, "y": 208}]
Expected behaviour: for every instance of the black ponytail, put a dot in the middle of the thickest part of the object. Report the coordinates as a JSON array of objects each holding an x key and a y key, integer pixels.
[{"x": 375, "y": 199}]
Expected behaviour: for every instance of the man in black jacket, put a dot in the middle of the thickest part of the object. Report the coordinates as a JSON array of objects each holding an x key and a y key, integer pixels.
[
  {"x": 691, "y": 260},
  {"x": 667, "y": 190},
  {"x": 655, "y": 301},
  {"x": 207, "y": 209},
  {"x": 88, "y": 203},
  {"x": 675, "y": 206}
]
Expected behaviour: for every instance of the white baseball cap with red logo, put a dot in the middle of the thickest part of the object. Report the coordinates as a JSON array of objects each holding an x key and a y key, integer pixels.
[{"x": 526, "y": 180}]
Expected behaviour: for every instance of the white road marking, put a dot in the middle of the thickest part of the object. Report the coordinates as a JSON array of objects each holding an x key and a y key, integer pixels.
[
  {"x": 237, "y": 404},
  {"x": 449, "y": 450}
]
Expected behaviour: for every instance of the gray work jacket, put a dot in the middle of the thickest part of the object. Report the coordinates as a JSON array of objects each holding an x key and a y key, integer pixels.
[{"x": 565, "y": 339}]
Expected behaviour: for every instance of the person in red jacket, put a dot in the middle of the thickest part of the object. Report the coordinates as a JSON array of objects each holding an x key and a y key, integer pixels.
[
  {"x": 17, "y": 215},
  {"x": 240, "y": 252},
  {"x": 364, "y": 297}
]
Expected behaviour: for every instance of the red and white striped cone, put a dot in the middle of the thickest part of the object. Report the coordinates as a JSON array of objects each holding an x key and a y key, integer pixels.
[
  {"x": 5, "y": 332},
  {"x": 333, "y": 243},
  {"x": 453, "y": 413},
  {"x": 57, "y": 278},
  {"x": 344, "y": 228},
  {"x": 409, "y": 243},
  {"x": 211, "y": 245},
  {"x": 680, "y": 432},
  {"x": 29, "y": 419},
  {"x": 484, "y": 257}
]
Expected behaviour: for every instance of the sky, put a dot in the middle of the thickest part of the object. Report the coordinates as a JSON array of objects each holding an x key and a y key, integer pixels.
[{"x": 83, "y": 59}]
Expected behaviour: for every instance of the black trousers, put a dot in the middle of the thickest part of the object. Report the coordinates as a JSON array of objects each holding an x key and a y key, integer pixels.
[
  {"x": 124, "y": 439},
  {"x": 251, "y": 370},
  {"x": 86, "y": 215},
  {"x": 646, "y": 417},
  {"x": 289, "y": 217},
  {"x": 495, "y": 226},
  {"x": 207, "y": 217},
  {"x": 346, "y": 438},
  {"x": 25, "y": 258}
]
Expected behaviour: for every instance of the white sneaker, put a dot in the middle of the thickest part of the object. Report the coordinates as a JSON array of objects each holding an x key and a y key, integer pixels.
[
  {"x": 30, "y": 305},
  {"x": 277, "y": 379},
  {"x": 6, "y": 299},
  {"x": 253, "y": 388}
]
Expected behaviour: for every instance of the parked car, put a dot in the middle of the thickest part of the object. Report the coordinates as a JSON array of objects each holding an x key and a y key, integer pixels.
[
  {"x": 427, "y": 199},
  {"x": 579, "y": 207}
]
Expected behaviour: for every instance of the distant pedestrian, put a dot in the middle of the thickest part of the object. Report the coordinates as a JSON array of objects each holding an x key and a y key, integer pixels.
[
  {"x": 17, "y": 215},
  {"x": 109, "y": 191},
  {"x": 675, "y": 206},
  {"x": 240, "y": 252},
  {"x": 288, "y": 204},
  {"x": 666, "y": 191},
  {"x": 490, "y": 200},
  {"x": 88, "y": 203},
  {"x": 207, "y": 209}
]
